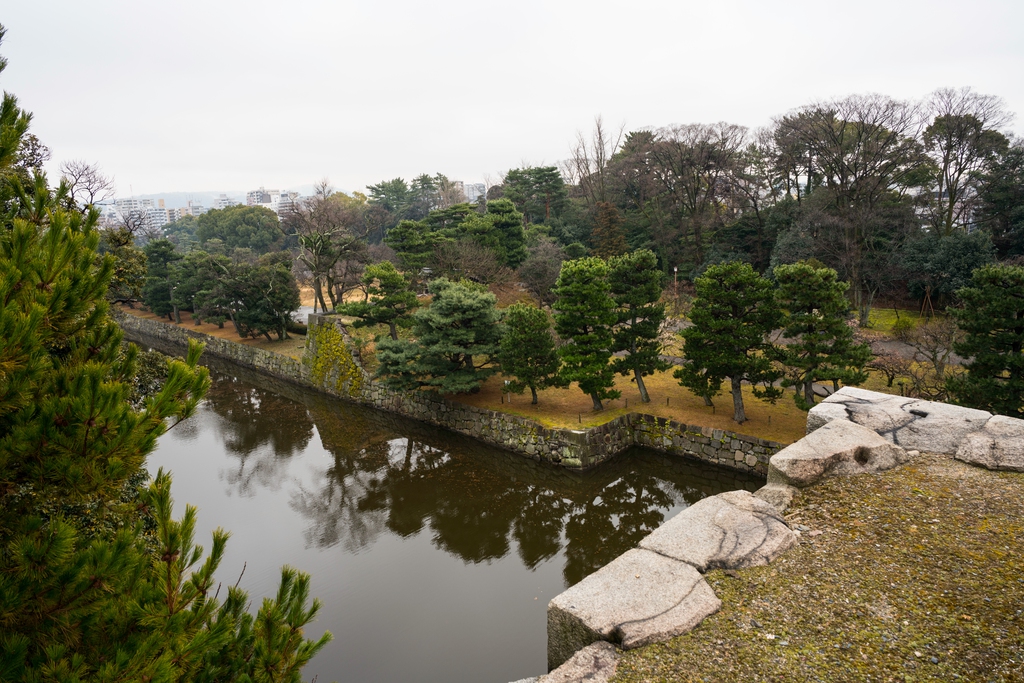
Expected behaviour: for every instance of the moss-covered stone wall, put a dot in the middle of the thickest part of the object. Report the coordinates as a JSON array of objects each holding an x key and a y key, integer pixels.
[{"x": 331, "y": 366}]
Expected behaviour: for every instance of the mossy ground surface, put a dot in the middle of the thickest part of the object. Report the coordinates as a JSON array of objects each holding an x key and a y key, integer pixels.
[{"x": 916, "y": 574}]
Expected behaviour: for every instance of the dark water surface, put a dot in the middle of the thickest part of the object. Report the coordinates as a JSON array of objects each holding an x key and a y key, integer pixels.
[{"x": 434, "y": 555}]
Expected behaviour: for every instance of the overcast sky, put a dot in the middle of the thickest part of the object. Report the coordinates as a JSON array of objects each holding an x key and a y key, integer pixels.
[{"x": 230, "y": 95}]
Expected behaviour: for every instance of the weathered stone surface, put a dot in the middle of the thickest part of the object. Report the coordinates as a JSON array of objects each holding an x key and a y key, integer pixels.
[
  {"x": 596, "y": 663},
  {"x": 778, "y": 495},
  {"x": 823, "y": 413},
  {"x": 998, "y": 446},
  {"x": 638, "y": 598},
  {"x": 731, "y": 530},
  {"x": 837, "y": 448},
  {"x": 906, "y": 422}
]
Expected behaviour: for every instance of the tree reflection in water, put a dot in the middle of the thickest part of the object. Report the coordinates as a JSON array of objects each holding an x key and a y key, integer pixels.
[
  {"x": 390, "y": 475},
  {"x": 262, "y": 428},
  {"x": 479, "y": 503}
]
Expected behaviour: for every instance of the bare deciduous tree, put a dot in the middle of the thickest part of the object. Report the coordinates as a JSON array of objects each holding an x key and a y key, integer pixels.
[
  {"x": 86, "y": 184},
  {"x": 587, "y": 165}
]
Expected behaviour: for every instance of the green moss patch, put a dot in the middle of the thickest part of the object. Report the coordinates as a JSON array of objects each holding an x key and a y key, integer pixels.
[{"x": 916, "y": 574}]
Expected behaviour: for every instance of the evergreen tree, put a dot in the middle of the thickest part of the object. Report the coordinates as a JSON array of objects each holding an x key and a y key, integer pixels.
[
  {"x": 584, "y": 315},
  {"x": 508, "y": 224},
  {"x": 413, "y": 242},
  {"x": 264, "y": 295},
  {"x": 456, "y": 341},
  {"x": 992, "y": 319},
  {"x": 528, "y": 350},
  {"x": 815, "y": 304},
  {"x": 608, "y": 238},
  {"x": 86, "y": 593},
  {"x": 635, "y": 282},
  {"x": 158, "y": 294},
  {"x": 389, "y": 301},
  {"x": 732, "y": 315}
]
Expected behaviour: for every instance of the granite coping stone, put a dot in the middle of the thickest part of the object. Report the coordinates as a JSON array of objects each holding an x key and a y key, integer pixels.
[{"x": 639, "y": 598}]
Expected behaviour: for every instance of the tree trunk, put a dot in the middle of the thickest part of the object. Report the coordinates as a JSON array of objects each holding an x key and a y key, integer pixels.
[
  {"x": 597, "y": 401},
  {"x": 738, "y": 414},
  {"x": 177, "y": 316},
  {"x": 644, "y": 396},
  {"x": 707, "y": 401},
  {"x": 809, "y": 391},
  {"x": 394, "y": 330},
  {"x": 533, "y": 390}
]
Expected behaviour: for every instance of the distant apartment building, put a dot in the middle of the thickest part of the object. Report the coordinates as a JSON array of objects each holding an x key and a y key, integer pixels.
[
  {"x": 474, "y": 191},
  {"x": 275, "y": 200},
  {"x": 223, "y": 202}
]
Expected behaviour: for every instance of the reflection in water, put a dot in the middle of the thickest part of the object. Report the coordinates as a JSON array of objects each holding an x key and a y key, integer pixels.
[
  {"x": 262, "y": 428},
  {"x": 434, "y": 555},
  {"x": 478, "y": 503}
]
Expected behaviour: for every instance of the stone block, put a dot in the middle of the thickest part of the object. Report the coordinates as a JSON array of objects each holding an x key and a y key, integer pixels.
[
  {"x": 906, "y": 422},
  {"x": 837, "y": 448},
  {"x": 637, "y": 599},
  {"x": 778, "y": 495},
  {"x": 999, "y": 445},
  {"x": 731, "y": 530},
  {"x": 596, "y": 663}
]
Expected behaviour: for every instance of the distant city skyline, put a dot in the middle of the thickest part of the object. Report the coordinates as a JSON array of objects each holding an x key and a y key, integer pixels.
[{"x": 174, "y": 98}]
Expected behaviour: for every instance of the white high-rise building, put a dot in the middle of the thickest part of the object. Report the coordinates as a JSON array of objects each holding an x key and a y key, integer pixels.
[
  {"x": 474, "y": 191},
  {"x": 223, "y": 202}
]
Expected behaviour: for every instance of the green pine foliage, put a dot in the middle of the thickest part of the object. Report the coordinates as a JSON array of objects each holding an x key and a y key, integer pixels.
[
  {"x": 815, "y": 305},
  {"x": 160, "y": 277},
  {"x": 528, "y": 352},
  {"x": 389, "y": 301},
  {"x": 635, "y": 282},
  {"x": 97, "y": 581},
  {"x": 992, "y": 319},
  {"x": 87, "y": 594},
  {"x": 413, "y": 242},
  {"x": 456, "y": 342},
  {"x": 584, "y": 316},
  {"x": 733, "y": 313}
]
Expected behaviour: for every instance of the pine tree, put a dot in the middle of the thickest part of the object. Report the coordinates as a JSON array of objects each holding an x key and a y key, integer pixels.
[
  {"x": 815, "y": 306},
  {"x": 97, "y": 581},
  {"x": 732, "y": 315},
  {"x": 389, "y": 301},
  {"x": 528, "y": 350},
  {"x": 992, "y": 319},
  {"x": 584, "y": 315},
  {"x": 456, "y": 342},
  {"x": 635, "y": 282},
  {"x": 608, "y": 238}
]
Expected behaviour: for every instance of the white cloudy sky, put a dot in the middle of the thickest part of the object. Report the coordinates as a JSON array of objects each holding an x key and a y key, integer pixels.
[{"x": 231, "y": 95}]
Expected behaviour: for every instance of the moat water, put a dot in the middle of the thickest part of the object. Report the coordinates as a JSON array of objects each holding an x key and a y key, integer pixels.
[{"x": 434, "y": 555}]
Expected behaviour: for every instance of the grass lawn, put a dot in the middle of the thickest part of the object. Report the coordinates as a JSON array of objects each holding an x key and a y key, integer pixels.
[
  {"x": 292, "y": 347},
  {"x": 571, "y": 408},
  {"x": 882, "y": 319}
]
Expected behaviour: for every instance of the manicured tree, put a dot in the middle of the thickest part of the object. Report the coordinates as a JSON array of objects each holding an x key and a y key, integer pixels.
[
  {"x": 732, "y": 315},
  {"x": 413, "y": 243},
  {"x": 528, "y": 350},
  {"x": 508, "y": 224},
  {"x": 266, "y": 295},
  {"x": 635, "y": 281},
  {"x": 608, "y": 238},
  {"x": 993, "y": 323},
  {"x": 584, "y": 315},
  {"x": 158, "y": 292},
  {"x": 815, "y": 306},
  {"x": 389, "y": 301},
  {"x": 456, "y": 341}
]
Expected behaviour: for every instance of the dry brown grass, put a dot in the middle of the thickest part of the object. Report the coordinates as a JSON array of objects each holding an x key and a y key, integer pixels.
[
  {"x": 571, "y": 408},
  {"x": 292, "y": 347}
]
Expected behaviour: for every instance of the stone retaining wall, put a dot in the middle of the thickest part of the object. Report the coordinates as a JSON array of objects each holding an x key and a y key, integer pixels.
[{"x": 345, "y": 378}]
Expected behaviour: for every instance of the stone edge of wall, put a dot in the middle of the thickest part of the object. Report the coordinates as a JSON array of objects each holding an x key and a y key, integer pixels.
[
  {"x": 853, "y": 432},
  {"x": 577, "y": 449}
]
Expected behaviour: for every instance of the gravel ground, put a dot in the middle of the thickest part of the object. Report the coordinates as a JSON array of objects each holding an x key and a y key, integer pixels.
[{"x": 916, "y": 574}]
